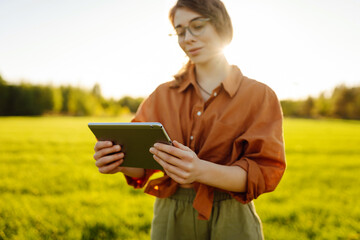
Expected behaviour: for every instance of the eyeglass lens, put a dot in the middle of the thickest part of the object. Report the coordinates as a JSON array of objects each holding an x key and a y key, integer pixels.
[{"x": 196, "y": 28}]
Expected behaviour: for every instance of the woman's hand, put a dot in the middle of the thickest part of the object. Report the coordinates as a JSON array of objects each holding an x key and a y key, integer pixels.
[
  {"x": 108, "y": 164},
  {"x": 179, "y": 162},
  {"x": 183, "y": 166}
]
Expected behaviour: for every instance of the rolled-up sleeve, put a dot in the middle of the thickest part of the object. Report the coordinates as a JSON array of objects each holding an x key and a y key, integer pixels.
[{"x": 261, "y": 149}]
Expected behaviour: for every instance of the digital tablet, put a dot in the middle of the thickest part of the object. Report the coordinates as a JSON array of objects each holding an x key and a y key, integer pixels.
[{"x": 135, "y": 140}]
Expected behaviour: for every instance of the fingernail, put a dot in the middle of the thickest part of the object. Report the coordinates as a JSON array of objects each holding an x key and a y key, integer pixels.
[{"x": 151, "y": 149}]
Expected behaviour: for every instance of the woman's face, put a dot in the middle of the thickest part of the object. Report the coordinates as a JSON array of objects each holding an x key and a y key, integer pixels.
[{"x": 205, "y": 45}]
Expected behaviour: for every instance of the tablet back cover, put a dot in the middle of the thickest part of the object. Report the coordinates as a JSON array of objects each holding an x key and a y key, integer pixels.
[{"x": 135, "y": 140}]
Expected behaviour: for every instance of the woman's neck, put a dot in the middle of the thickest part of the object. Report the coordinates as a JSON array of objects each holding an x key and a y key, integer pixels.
[{"x": 210, "y": 74}]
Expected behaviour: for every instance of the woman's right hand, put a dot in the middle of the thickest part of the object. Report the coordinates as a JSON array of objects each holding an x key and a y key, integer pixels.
[{"x": 108, "y": 164}]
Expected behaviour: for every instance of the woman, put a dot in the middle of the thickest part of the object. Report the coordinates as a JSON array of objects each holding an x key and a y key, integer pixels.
[{"x": 227, "y": 131}]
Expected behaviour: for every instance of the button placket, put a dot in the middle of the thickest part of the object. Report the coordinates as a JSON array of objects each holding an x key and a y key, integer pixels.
[{"x": 197, "y": 113}]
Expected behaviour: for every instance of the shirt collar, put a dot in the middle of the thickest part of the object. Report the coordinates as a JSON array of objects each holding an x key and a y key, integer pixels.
[
  {"x": 230, "y": 84},
  {"x": 189, "y": 79}
]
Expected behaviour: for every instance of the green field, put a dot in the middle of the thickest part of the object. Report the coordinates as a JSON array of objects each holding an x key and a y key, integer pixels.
[{"x": 51, "y": 189}]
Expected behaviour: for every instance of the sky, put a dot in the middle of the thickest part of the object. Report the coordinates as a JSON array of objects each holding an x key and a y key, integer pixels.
[{"x": 299, "y": 48}]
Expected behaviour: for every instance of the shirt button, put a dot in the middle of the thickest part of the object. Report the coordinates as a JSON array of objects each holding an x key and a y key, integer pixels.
[
  {"x": 199, "y": 113},
  {"x": 191, "y": 137},
  {"x": 215, "y": 94}
]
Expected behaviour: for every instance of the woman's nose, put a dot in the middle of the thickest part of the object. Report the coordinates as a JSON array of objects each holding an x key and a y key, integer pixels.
[{"x": 188, "y": 37}]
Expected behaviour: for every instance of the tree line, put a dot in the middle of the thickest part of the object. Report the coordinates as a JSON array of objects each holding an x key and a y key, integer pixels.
[
  {"x": 343, "y": 102},
  {"x": 26, "y": 99}
]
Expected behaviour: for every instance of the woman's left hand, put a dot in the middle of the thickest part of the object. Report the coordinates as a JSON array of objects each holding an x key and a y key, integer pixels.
[{"x": 179, "y": 162}]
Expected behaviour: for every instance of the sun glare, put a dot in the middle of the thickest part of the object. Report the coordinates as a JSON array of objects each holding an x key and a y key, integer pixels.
[{"x": 231, "y": 53}]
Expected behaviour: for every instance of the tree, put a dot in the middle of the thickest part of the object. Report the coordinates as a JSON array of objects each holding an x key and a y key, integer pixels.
[
  {"x": 3, "y": 96},
  {"x": 306, "y": 108},
  {"x": 131, "y": 103},
  {"x": 290, "y": 108},
  {"x": 96, "y": 91},
  {"x": 2, "y": 81},
  {"x": 344, "y": 102},
  {"x": 322, "y": 107}
]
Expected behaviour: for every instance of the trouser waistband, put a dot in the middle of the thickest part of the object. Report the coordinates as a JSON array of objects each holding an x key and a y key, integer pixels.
[{"x": 188, "y": 194}]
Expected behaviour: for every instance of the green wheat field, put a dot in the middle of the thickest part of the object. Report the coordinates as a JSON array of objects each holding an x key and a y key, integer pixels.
[{"x": 51, "y": 189}]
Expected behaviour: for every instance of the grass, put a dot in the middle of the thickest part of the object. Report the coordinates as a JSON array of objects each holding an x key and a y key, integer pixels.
[
  {"x": 51, "y": 189},
  {"x": 318, "y": 195}
]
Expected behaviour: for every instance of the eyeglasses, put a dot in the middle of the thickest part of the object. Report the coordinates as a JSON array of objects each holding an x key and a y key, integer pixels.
[{"x": 196, "y": 28}]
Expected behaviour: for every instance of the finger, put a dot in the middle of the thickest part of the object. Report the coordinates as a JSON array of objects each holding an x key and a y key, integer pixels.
[
  {"x": 171, "y": 169},
  {"x": 117, "y": 169},
  {"x": 110, "y": 167},
  {"x": 181, "y": 146},
  {"x": 109, "y": 159},
  {"x": 179, "y": 179},
  {"x": 164, "y": 164},
  {"x": 106, "y": 151},
  {"x": 188, "y": 154},
  {"x": 175, "y": 151},
  {"x": 102, "y": 144},
  {"x": 167, "y": 157}
]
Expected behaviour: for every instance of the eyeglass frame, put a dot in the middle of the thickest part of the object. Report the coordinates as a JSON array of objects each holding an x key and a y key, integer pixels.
[{"x": 188, "y": 27}]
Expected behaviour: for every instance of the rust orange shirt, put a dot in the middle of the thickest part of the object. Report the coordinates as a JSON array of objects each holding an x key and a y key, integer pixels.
[{"x": 240, "y": 124}]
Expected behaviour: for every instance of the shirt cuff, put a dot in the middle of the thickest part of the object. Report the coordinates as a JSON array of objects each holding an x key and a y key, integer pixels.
[
  {"x": 255, "y": 184},
  {"x": 140, "y": 182}
]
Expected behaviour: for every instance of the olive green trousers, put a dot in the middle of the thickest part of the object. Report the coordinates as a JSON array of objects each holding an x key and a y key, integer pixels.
[{"x": 176, "y": 219}]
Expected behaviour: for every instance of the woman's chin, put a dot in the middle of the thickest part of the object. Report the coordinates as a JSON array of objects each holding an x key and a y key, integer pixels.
[
  {"x": 202, "y": 60},
  {"x": 198, "y": 59}
]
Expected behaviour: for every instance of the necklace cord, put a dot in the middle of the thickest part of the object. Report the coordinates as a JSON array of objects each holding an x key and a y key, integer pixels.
[{"x": 202, "y": 88}]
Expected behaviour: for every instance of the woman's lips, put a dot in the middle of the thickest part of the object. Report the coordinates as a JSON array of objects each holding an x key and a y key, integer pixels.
[{"x": 194, "y": 51}]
